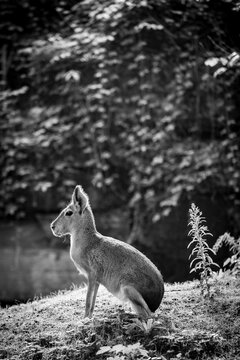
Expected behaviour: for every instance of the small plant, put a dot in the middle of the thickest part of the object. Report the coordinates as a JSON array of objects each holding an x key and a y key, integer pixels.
[
  {"x": 232, "y": 263},
  {"x": 146, "y": 326},
  {"x": 201, "y": 252},
  {"x": 124, "y": 352}
]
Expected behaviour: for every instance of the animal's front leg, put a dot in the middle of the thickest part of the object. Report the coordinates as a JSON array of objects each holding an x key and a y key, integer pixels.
[
  {"x": 91, "y": 296},
  {"x": 96, "y": 286}
]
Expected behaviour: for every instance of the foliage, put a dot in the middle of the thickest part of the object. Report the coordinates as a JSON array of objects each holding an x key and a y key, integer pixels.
[
  {"x": 130, "y": 93},
  {"x": 232, "y": 263},
  {"x": 201, "y": 250},
  {"x": 131, "y": 351}
]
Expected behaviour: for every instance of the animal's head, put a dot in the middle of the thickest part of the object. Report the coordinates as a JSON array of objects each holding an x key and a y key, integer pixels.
[{"x": 72, "y": 217}]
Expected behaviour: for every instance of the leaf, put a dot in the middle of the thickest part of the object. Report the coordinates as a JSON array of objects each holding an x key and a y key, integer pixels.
[
  {"x": 148, "y": 26},
  {"x": 51, "y": 122},
  {"x": 11, "y": 209},
  {"x": 120, "y": 348},
  {"x": 43, "y": 186},
  {"x": 72, "y": 75},
  {"x": 212, "y": 61},
  {"x": 233, "y": 59},
  {"x": 103, "y": 350},
  {"x": 156, "y": 218},
  {"x": 220, "y": 71}
]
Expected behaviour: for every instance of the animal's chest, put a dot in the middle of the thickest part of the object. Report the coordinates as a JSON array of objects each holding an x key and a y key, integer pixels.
[{"x": 79, "y": 259}]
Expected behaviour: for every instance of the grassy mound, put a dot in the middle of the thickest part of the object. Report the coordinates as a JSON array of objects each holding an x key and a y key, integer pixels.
[{"x": 185, "y": 327}]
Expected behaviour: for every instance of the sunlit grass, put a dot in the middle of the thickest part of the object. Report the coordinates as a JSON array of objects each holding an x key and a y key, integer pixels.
[{"x": 54, "y": 328}]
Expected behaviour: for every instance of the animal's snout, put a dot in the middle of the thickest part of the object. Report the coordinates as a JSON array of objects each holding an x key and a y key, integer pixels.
[
  {"x": 55, "y": 230},
  {"x": 53, "y": 226}
]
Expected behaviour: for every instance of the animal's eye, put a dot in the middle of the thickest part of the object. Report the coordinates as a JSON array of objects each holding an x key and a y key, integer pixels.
[{"x": 68, "y": 213}]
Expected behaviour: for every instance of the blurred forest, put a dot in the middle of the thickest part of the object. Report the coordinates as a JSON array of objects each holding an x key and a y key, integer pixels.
[{"x": 139, "y": 98}]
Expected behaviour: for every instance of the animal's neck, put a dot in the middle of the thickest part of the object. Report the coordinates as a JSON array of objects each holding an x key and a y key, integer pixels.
[{"x": 85, "y": 232}]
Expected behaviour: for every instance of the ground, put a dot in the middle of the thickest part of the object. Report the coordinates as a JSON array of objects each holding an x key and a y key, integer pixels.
[{"x": 186, "y": 326}]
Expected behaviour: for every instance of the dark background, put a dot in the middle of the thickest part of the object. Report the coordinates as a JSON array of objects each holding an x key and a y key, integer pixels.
[{"x": 137, "y": 101}]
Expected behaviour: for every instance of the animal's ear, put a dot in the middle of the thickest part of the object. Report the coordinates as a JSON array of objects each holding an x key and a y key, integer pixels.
[{"x": 80, "y": 198}]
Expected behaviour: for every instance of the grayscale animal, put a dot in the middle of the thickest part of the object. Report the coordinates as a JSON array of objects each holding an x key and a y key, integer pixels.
[{"x": 123, "y": 270}]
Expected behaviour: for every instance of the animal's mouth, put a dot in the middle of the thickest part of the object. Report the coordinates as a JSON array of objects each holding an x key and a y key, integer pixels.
[{"x": 56, "y": 233}]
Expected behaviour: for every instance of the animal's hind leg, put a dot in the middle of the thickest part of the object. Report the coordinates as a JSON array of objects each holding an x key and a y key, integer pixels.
[{"x": 137, "y": 302}]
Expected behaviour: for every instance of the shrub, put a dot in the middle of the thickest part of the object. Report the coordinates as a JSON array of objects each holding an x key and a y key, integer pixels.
[{"x": 232, "y": 263}]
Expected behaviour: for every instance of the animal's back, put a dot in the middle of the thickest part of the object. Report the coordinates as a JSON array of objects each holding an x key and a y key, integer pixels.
[{"x": 119, "y": 264}]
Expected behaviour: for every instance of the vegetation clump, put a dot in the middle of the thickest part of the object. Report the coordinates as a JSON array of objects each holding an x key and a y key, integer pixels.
[
  {"x": 202, "y": 262},
  {"x": 142, "y": 96},
  {"x": 232, "y": 263}
]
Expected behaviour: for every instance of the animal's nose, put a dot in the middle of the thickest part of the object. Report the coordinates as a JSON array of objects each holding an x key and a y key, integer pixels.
[{"x": 53, "y": 226}]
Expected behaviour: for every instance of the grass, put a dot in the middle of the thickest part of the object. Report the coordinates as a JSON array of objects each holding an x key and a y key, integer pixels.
[{"x": 185, "y": 327}]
